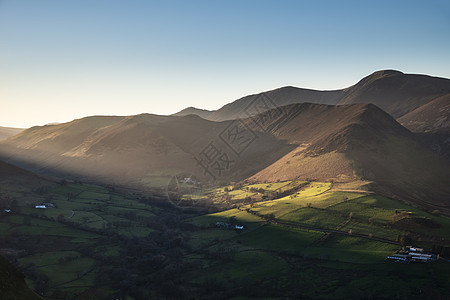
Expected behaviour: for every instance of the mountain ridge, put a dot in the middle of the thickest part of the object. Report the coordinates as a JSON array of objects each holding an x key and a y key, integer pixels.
[
  {"x": 6, "y": 132},
  {"x": 298, "y": 141},
  {"x": 395, "y": 92}
]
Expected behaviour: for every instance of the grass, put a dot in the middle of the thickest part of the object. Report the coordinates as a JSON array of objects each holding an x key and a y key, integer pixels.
[
  {"x": 49, "y": 258},
  {"x": 317, "y": 207},
  {"x": 351, "y": 249},
  {"x": 84, "y": 208},
  {"x": 249, "y": 265},
  {"x": 209, "y": 236},
  {"x": 276, "y": 238},
  {"x": 73, "y": 270},
  {"x": 314, "y": 217},
  {"x": 269, "y": 186},
  {"x": 242, "y": 217},
  {"x": 263, "y": 253}
]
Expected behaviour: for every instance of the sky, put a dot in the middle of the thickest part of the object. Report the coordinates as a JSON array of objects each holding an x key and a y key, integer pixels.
[{"x": 62, "y": 60}]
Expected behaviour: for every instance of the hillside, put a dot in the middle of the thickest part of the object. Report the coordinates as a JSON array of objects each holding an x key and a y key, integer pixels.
[
  {"x": 342, "y": 143},
  {"x": 261, "y": 102},
  {"x": 202, "y": 113},
  {"x": 395, "y": 92},
  {"x": 12, "y": 283},
  {"x": 358, "y": 142},
  {"x": 14, "y": 179},
  {"x": 6, "y": 132},
  {"x": 431, "y": 117},
  {"x": 142, "y": 150}
]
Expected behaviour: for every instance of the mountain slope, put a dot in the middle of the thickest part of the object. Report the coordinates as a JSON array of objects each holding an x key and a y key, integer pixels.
[
  {"x": 341, "y": 143},
  {"x": 358, "y": 142},
  {"x": 261, "y": 102},
  {"x": 12, "y": 283},
  {"x": 144, "y": 150},
  {"x": 6, "y": 132},
  {"x": 8, "y": 171},
  {"x": 431, "y": 117},
  {"x": 395, "y": 92},
  {"x": 202, "y": 113}
]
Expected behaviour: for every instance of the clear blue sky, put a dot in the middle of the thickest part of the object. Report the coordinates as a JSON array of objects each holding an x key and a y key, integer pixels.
[{"x": 61, "y": 60}]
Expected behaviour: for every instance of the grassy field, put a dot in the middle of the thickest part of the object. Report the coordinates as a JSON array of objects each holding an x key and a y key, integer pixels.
[
  {"x": 315, "y": 206},
  {"x": 343, "y": 265},
  {"x": 81, "y": 214},
  {"x": 300, "y": 240}
]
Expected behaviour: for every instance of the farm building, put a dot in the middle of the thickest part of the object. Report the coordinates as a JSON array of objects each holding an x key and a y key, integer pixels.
[
  {"x": 412, "y": 254},
  {"x": 413, "y": 249},
  {"x": 229, "y": 226},
  {"x": 40, "y": 206},
  {"x": 397, "y": 257}
]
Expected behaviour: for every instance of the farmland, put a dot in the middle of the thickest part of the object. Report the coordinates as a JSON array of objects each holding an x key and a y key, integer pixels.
[
  {"x": 319, "y": 231},
  {"x": 62, "y": 245},
  {"x": 296, "y": 233}
]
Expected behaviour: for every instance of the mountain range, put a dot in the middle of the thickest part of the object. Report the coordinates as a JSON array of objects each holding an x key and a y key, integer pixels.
[
  {"x": 6, "y": 132},
  {"x": 403, "y": 96},
  {"x": 373, "y": 134}
]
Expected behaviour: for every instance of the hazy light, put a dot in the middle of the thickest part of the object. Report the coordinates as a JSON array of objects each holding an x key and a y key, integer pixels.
[{"x": 61, "y": 60}]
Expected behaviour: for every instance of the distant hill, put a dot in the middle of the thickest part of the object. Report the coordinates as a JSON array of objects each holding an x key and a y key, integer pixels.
[
  {"x": 395, "y": 92},
  {"x": 202, "y": 113},
  {"x": 419, "y": 102},
  {"x": 431, "y": 124},
  {"x": 258, "y": 103},
  {"x": 12, "y": 283},
  {"x": 6, "y": 132},
  {"x": 342, "y": 143},
  {"x": 431, "y": 117}
]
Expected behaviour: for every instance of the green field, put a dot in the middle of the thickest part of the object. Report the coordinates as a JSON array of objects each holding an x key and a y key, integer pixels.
[
  {"x": 82, "y": 215},
  {"x": 300, "y": 240},
  {"x": 313, "y": 255},
  {"x": 317, "y": 209}
]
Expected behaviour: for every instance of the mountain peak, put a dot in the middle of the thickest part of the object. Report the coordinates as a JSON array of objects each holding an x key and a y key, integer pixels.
[
  {"x": 202, "y": 113},
  {"x": 386, "y": 72}
]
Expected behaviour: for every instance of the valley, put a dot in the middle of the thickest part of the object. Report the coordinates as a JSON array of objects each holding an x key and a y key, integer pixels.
[
  {"x": 77, "y": 247},
  {"x": 288, "y": 194},
  {"x": 224, "y": 150}
]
